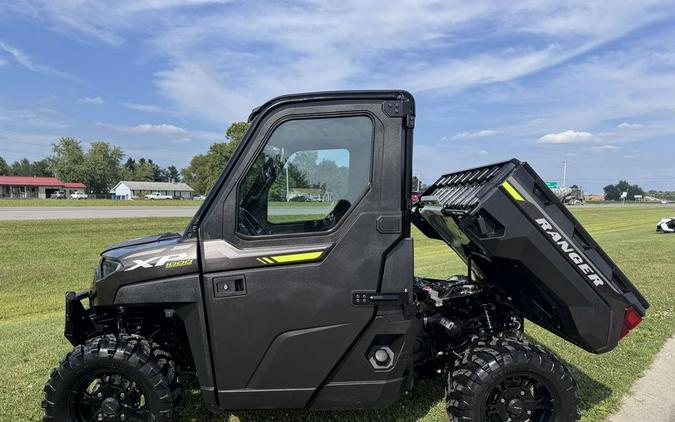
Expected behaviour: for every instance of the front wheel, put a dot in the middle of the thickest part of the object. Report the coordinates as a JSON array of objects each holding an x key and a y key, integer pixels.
[
  {"x": 113, "y": 378},
  {"x": 508, "y": 380}
]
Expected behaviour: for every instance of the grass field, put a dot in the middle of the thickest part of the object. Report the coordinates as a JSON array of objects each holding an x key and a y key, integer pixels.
[{"x": 41, "y": 260}]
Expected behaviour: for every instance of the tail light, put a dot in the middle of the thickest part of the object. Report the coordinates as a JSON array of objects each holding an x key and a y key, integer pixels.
[{"x": 631, "y": 319}]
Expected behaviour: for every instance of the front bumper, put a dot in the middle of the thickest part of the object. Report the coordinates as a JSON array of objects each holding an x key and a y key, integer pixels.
[{"x": 79, "y": 325}]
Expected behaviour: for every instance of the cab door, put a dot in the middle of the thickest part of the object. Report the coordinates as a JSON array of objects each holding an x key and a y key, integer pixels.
[{"x": 307, "y": 223}]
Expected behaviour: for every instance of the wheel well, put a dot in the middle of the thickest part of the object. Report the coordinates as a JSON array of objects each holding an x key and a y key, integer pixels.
[{"x": 160, "y": 325}]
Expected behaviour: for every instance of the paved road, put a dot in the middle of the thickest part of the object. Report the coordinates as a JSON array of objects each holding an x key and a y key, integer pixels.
[
  {"x": 651, "y": 398},
  {"x": 52, "y": 213}
]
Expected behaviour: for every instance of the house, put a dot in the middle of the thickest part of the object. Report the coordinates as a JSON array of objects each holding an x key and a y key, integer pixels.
[
  {"x": 136, "y": 190},
  {"x": 35, "y": 187}
]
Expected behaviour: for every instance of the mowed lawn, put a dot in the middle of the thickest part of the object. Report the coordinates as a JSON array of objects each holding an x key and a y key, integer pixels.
[{"x": 39, "y": 261}]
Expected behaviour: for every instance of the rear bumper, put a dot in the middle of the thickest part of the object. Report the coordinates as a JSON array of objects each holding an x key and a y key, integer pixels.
[{"x": 78, "y": 325}]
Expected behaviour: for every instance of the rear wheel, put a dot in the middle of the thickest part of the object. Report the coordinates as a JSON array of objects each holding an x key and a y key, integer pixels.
[
  {"x": 508, "y": 380},
  {"x": 113, "y": 379}
]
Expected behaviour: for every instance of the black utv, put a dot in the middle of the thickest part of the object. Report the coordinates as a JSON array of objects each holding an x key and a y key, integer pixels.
[{"x": 280, "y": 303}]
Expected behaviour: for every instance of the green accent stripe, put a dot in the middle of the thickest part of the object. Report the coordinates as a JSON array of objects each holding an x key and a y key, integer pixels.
[
  {"x": 295, "y": 257},
  {"x": 512, "y": 191}
]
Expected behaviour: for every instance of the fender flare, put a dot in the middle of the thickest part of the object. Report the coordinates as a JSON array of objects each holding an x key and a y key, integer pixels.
[{"x": 184, "y": 295}]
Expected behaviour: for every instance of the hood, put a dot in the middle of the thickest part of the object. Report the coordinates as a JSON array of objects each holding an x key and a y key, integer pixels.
[
  {"x": 141, "y": 241},
  {"x": 143, "y": 259}
]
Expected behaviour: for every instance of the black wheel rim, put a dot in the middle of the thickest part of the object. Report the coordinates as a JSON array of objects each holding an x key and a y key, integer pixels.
[
  {"x": 108, "y": 396},
  {"x": 521, "y": 398}
]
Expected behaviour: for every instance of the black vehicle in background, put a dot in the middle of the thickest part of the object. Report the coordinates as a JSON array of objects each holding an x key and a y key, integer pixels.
[{"x": 314, "y": 305}]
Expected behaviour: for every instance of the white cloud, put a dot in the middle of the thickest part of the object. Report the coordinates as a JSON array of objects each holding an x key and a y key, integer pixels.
[
  {"x": 567, "y": 137},
  {"x": 161, "y": 129},
  {"x": 31, "y": 119},
  {"x": 473, "y": 135},
  {"x": 626, "y": 125},
  {"x": 147, "y": 108},
  {"x": 91, "y": 100},
  {"x": 2, "y": 62},
  {"x": 303, "y": 46},
  {"x": 193, "y": 86},
  {"x": 601, "y": 148},
  {"x": 482, "y": 152},
  {"x": 27, "y": 62}
]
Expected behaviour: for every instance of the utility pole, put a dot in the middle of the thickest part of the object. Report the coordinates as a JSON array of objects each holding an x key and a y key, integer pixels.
[{"x": 564, "y": 184}]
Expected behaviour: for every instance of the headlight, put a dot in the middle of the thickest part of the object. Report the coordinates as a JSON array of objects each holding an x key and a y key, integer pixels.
[{"x": 108, "y": 267}]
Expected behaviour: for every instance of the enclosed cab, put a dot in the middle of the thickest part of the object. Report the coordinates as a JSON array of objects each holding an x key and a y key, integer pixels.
[{"x": 280, "y": 303}]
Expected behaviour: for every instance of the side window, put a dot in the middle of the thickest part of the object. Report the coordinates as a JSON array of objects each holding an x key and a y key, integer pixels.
[{"x": 309, "y": 174}]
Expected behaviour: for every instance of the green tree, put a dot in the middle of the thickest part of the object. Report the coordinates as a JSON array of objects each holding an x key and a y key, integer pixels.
[
  {"x": 22, "y": 167},
  {"x": 4, "y": 168},
  {"x": 25, "y": 167},
  {"x": 41, "y": 168},
  {"x": 172, "y": 174},
  {"x": 145, "y": 171},
  {"x": 204, "y": 169},
  {"x": 128, "y": 170},
  {"x": 156, "y": 171},
  {"x": 613, "y": 192},
  {"x": 196, "y": 174},
  {"x": 102, "y": 166},
  {"x": 67, "y": 160},
  {"x": 235, "y": 133}
]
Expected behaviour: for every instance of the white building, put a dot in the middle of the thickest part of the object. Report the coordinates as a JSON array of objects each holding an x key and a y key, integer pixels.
[{"x": 137, "y": 190}]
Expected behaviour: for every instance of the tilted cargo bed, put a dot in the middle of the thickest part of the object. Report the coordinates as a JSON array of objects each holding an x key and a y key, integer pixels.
[{"x": 517, "y": 235}]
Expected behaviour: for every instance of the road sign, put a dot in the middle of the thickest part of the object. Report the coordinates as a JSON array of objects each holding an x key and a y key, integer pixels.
[{"x": 552, "y": 185}]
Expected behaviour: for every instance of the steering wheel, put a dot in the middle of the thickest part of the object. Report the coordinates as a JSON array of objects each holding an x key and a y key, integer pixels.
[{"x": 248, "y": 223}]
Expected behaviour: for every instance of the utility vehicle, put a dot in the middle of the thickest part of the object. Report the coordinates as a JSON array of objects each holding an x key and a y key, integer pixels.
[
  {"x": 666, "y": 225},
  {"x": 275, "y": 304}
]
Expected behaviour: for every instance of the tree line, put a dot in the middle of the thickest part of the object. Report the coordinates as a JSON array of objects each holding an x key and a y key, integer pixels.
[
  {"x": 101, "y": 166},
  {"x": 613, "y": 192}
]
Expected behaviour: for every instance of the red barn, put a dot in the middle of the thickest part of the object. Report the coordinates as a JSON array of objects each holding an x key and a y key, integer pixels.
[{"x": 35, "y": 187}]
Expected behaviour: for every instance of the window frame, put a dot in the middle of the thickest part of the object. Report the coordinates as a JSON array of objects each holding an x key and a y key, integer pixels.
[{"x": 261, "y": 146}]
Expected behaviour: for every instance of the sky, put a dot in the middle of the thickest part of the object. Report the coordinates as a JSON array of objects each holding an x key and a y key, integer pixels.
[{"x": 589, "y": 83}]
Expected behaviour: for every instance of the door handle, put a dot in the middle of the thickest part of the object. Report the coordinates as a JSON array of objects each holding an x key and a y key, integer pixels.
[{"x": 229, "y": 286}]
